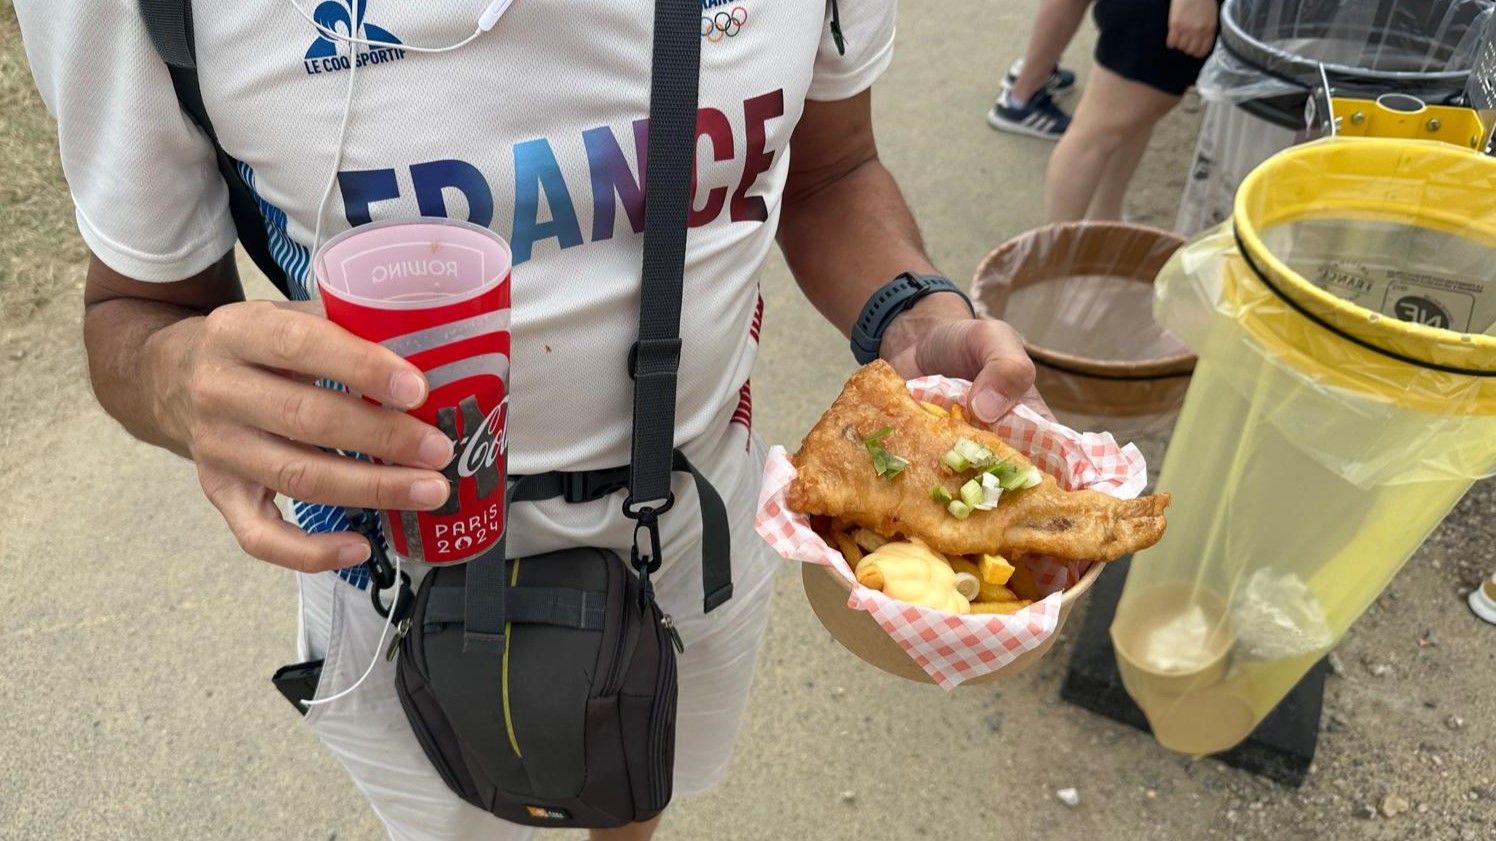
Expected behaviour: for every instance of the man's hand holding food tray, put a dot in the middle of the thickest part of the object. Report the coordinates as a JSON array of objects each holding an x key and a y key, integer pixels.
[{"x": 958, "y": 539}]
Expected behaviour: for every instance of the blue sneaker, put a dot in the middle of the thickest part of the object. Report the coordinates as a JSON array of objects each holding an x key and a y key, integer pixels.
[
  {"x": 1059, "y": 83},
  {"x": 1039, "y": 117}
]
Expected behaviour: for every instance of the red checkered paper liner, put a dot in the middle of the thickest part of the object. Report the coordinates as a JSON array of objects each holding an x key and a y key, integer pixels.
[{"x": 953, "y": 649}]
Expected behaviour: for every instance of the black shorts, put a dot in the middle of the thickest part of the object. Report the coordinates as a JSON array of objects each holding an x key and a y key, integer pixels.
[{"x": 1132, "y": 43}]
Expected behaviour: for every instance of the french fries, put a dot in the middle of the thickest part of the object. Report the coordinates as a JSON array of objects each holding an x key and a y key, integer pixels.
[
  {"x": 997, "y": 593},
  {"x": 1022, "y": 583},
  {"x": 868, "y": 540},
  {"x": 1000, "y": 587},
  {"x": 955, "y": 411},
  {"x": 994, "y": 569},
  {"x": 849, "y": 548},
  {"x": 961, "y": 563},
  {"x": 992, "y": 584},
  {"x": 1000, "y": 607}
]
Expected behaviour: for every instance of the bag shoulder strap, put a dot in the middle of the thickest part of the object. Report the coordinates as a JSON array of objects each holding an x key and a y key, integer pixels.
[
  {"x": 169, "y": 23},
  {"x": 655, "y": 357}
]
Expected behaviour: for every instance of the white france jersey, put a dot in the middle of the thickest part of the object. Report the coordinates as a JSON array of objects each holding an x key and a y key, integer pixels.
[{"x": 536, "y": 129}]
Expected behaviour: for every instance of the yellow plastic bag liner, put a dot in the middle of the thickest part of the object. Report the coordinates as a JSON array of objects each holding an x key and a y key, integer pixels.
[{"x": 1343, "y": 402}]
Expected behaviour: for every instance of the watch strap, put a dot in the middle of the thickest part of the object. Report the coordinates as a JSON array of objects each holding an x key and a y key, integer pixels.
[{"x": 891, "y": 299}]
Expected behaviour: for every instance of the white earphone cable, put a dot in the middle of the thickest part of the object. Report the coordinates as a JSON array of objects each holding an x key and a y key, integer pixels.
[
  {"x": 350, "y": 38},
  {"x": 378, "y": 647},
  {"x": 355, "y": 8},
  {"x": 337, "y": 155}
]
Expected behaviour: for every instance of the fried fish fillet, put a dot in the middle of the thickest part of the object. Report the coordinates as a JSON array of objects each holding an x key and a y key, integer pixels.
[{"x": 837, "y": 478}]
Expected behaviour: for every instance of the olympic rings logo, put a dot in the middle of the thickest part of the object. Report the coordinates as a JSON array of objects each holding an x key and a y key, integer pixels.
[{"x": 724, "y": 24}]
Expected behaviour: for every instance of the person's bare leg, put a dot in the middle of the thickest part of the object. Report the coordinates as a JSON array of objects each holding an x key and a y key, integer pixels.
[
  {"x": 1113, "y": 113},
  {"x": 1106, "y": 203},
  {"x": 1054, "y": 28},
  {"x": 632, "y": 832}
]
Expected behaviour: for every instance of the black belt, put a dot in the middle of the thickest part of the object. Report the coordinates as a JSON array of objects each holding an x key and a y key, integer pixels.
[
  {"x": 591, "y": 485},
  {"x": 576, "y": 486}
]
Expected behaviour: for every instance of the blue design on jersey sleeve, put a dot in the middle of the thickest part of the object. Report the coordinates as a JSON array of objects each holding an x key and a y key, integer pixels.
[{"x": 294, "y": 258}]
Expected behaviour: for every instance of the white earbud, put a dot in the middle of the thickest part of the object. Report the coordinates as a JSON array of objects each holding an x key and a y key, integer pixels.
[
  {"x": 486, "y": 22},
  {"x": 491, "y": 15}
]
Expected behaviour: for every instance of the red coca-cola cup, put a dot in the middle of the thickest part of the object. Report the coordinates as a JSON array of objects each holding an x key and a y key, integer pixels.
[{"x": 436, "y": 291}]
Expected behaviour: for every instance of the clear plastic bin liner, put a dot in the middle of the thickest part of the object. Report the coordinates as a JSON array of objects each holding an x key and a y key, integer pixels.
[
  {"x": 1257, "y": 82},
  {"x": 1344, "y": 401},
  {"x": 1480, "y": 90},
  {"x": 1081, "y": 294},
  {"x": 1271, "y": 48},
  {"x": 1232, "y": 143}
]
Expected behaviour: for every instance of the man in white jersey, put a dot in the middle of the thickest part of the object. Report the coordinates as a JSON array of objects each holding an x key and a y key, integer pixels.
[{"x": 535, "y": 130}]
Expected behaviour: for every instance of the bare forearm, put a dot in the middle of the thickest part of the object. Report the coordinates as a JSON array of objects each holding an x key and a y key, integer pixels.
[
  {"x": 846, "y": 231},
  {"x": 845, "y": 238},
  {"x": 131, "y": 344},
  {"x": 138, "y": 335},
  {"x": 192, "y": 367}
]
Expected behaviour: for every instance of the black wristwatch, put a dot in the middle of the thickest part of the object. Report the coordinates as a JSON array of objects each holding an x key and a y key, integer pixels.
[{"x": 893, "y": 298}]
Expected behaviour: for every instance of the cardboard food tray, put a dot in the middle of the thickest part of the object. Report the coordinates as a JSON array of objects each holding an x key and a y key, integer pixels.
[{"x": 930, "y": 646}]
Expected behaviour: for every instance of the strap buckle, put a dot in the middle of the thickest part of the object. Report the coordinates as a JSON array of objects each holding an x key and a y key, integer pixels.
[
  {"x": 647, "y": 519},
  {"x": 381, "y": 571},
  {"x": 589, "y": 485},
  {"x": 654, "y": 356}
]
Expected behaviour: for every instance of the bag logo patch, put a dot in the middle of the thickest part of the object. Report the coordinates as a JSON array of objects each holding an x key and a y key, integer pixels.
[{"x": 544, "y": 813}]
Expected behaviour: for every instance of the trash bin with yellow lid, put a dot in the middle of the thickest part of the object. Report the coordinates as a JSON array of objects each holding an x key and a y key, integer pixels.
[{"x": 1344, "y": 400}]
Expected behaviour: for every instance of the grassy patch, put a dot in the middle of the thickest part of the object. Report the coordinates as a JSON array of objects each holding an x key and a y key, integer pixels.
[{"x": 41, "y": 255}]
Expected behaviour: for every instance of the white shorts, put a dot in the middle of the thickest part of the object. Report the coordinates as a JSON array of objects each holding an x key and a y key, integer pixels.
[{"x": 368, "y": 733}]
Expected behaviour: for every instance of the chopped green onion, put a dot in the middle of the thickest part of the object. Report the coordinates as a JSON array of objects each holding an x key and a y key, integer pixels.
[
  {"x": 1009, "y": 476},
  {"x": 955, "y": 461},
  {"x": 972, "y": 451},
  {"x": 959, "y": 509},
  {"x": 992, "y": 491},
  {"x": 940, "y": 494},
  {"x": 971, "y": 493},
  {"x": 1031, "y": 477},
  {"x": 885, "y": 463}
]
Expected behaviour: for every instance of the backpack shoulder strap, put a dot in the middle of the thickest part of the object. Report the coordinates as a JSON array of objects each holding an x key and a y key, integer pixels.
[{"x": 169, "y": 23}]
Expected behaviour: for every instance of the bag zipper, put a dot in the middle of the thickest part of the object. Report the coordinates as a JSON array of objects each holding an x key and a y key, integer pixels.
[
  {"x": 659, "y": 773},
  {"x": 668, "y": 623},
  {"x": 614, "y": 682},
  {"x": 504, "y": 673}
]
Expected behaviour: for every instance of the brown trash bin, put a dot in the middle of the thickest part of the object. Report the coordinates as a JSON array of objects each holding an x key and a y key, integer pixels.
[{"x": 1081, "y": 295}]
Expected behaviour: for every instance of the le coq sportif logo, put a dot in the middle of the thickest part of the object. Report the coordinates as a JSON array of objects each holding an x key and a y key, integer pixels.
[{"x": 328, "y": 54}]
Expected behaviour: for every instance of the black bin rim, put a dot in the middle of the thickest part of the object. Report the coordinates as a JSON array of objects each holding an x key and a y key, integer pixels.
[{"x": 1438, "y": 87}]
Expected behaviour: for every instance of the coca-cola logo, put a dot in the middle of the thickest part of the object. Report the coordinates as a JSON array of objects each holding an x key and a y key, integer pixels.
[{"x": 482, "y": 446}]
